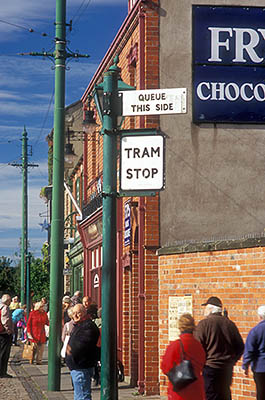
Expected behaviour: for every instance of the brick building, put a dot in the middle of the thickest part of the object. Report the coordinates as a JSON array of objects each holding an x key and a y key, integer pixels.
[
  {"x": 212, "y": 215},
  {"x": 204, "y": 234},
  {"x": 137, "y": 268}
]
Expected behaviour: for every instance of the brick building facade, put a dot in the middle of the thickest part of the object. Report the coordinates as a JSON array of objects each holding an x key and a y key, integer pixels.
[
  {"x": 137, "y": 44},
  {"x": 211, "y": 213},
  {"x": 203, "y": 235}
]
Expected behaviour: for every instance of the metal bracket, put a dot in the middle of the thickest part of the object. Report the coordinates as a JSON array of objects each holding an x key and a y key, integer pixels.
[
  {"x": 114, "y": 131},
  {"x": 112, "y": 194},
  {"x": 107, "y": 108}
]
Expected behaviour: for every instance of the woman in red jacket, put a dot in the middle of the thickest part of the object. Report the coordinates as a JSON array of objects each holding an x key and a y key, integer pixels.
[
  {"x": 193, "y": 352},
  {"x": 36, "y": 330}
]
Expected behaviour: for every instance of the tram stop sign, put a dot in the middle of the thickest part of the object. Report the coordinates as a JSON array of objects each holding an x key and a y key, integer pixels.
[{"x": 142, "y": 162}]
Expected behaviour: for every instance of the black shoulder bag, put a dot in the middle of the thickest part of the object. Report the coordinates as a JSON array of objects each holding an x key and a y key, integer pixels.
[{"x": 182, "y": 374}]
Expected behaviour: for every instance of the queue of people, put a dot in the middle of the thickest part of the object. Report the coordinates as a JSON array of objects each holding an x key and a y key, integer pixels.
[{"x": 213, "y": 348}]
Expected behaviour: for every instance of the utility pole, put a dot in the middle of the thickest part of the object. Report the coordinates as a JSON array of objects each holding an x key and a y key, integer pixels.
[
  {"x": 24, "y": 273},
  {"x": 57, "y": 223},
  {"x": 24, "y": 237},
  {"x": 109, "y": 385},
  {"x": 28, "y": 299},
  {"x": 110, "y": 86}
]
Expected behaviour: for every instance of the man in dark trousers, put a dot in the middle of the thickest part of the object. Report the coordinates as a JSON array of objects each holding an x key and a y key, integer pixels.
[
  {"x": 81, "y": 353},
  {"x": 6, "y": 332},
  {"x": 223, "y": 346}
]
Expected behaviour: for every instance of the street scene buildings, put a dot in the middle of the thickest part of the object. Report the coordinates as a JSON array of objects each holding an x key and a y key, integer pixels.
[{"x": 202, "y": 234}]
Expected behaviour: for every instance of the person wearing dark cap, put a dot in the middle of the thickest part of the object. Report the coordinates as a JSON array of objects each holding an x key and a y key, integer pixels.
[{"x": 223, "y": 346}]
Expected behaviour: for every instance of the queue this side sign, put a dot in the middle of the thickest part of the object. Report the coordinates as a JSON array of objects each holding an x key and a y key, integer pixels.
[
  {"x": 154, "y": 101},
  {"x": 142, "y": 162},
  {"x": 228, "y": 64}
]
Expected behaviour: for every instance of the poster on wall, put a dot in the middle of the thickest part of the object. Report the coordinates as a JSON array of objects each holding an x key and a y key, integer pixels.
[
  {"x": 228, "y": 64},
  {"x": 177, "y": 305}
]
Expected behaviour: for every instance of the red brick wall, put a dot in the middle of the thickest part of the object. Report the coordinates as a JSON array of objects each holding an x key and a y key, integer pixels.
[
  {"x": 130, "y": 300},
  {"x": 236, "y": 276},
  {"x": 131, "y": 75}
]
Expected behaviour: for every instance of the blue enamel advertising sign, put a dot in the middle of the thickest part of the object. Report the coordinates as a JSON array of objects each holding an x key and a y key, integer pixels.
[{"x": 228, "y": 64}]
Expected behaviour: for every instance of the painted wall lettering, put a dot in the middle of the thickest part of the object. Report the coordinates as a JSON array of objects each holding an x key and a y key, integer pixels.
[{"x": 228, "y": 59}]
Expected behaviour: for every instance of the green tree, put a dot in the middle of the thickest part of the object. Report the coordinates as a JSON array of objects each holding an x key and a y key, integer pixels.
[
  {"x": 39, "y": 279},
  {"x": 46, "y": 255},
  {"x": 9, "y": 277}
]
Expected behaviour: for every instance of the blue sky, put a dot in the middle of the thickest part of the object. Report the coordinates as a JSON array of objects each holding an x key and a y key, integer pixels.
[{"x": 26, "y": 97}]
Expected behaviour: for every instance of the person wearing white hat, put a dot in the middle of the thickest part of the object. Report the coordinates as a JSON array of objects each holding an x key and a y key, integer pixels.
[{"x": 254, "y": 354}]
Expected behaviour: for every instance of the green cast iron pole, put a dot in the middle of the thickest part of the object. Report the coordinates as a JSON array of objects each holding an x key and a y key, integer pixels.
[
  {"x": 28, "y": 258},
  {"x": 109, "y": 387},
  {"x": 24, "y": 238},
  {"x": 57, "y": 223}
]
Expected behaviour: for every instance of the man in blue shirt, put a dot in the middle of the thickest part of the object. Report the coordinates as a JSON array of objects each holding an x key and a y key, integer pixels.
[{"x": 254, "y": 354}]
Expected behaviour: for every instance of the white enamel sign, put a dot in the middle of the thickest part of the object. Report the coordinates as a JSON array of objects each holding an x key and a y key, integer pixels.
[
  {"x": 155, "y": 101},
  {"x": 142, "y": 162}
]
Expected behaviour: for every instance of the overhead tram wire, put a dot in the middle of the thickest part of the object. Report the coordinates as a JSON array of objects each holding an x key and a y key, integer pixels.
[
  {"x": 7, "y": 164},
  {"x": 35, "y": 143},
  {"x": 80, "y": 11},
  {"x": 30, "y": 30}
]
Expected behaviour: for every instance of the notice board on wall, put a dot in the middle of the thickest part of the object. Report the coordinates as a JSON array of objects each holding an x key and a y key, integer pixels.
[{"x": 177, "y": 305}]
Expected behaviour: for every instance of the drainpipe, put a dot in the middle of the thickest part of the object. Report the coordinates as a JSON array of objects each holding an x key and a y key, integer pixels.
[
  {"x": 141, "y": 296},
  {"x": 85, "y": 160},
  {"x": 119, "y": 278},
  {"x": 86, "y": 277}
]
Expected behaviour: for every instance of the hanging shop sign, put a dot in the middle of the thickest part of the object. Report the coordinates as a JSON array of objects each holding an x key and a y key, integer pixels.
[
  {"x": 127, "y": 224},
  {"x": 228, "y": 64},
  {"x": 96, "y": 281},
  {"x": 153, "y": 102},
  {"x": 142, "y": 162}
]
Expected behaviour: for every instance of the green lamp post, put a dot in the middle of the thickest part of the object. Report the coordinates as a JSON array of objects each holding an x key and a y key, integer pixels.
[
  {"x": 109, "y": 110},
  {"x": 57, "y": 223}
]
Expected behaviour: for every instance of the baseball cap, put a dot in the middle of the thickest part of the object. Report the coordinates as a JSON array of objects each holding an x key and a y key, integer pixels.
[{"x": 214, "y": 301}]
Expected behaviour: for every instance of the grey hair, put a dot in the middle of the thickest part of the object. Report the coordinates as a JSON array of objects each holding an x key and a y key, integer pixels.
[
  {"x": 5, "y": 298},
  {"x": 261, "y": 312},
  {"x": 214, "y": 309},
  {"x": 70, "y": 312}
]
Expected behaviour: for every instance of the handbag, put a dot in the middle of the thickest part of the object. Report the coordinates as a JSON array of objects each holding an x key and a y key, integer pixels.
[
  {"x": 28, "y": 350},
  {"x": 65, "y": 343},
  {"x": 182, "y": 374}
]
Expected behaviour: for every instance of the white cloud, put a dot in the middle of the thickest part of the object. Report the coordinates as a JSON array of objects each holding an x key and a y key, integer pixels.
[
  {"x": 11, "y": 196},
  {"x": 35, "y": 14},
  {"x": 7, "y": 95},
  {"x": 11, "y": 244},
  {"x": 21, "y": 108}
]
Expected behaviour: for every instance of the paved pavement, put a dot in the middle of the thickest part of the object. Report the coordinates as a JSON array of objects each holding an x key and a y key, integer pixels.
[{"x": 30, "y": 382}]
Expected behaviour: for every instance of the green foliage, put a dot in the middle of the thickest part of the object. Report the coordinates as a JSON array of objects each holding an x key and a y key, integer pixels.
[
  {"x": 9, "y": 277},
  {"x": 39, "y": 279},
  {"x": 46, "y": 256},
  {"x": 50, "y": 164}
]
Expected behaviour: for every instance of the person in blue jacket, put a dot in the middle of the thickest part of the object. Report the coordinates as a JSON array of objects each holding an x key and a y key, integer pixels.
[
  {"x": 17, "y": 315},
  {"x": 254, "y": 354}
]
